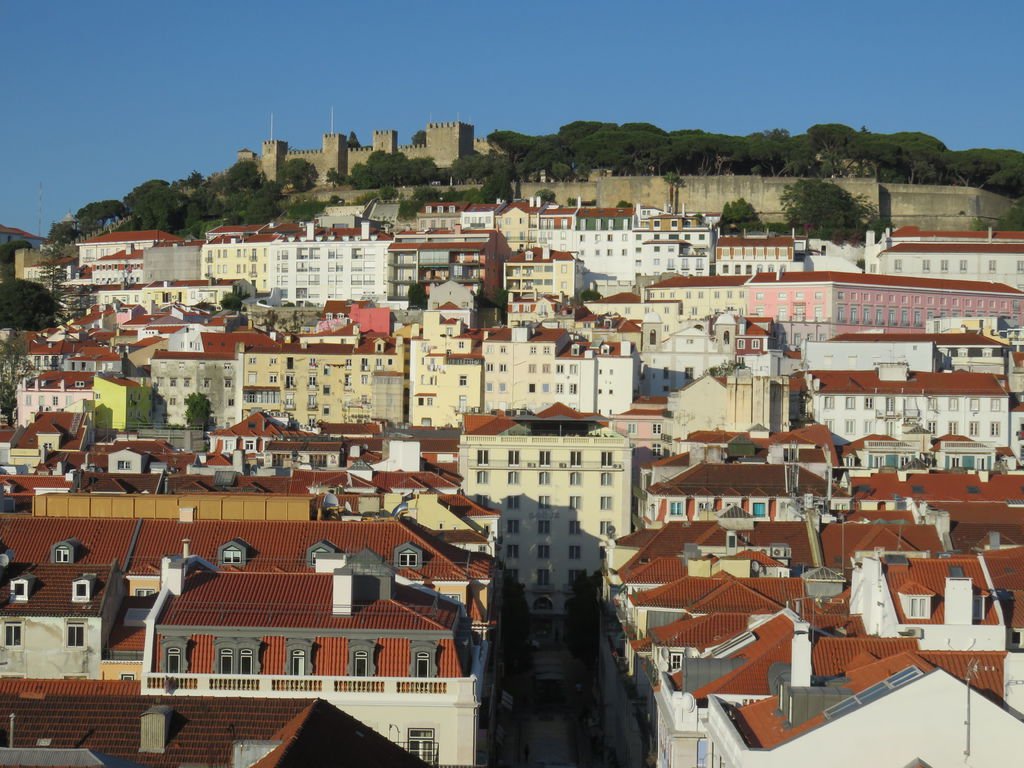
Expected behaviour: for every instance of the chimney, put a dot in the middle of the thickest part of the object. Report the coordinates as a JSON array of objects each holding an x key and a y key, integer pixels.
[
  {"x": 342, "y": 593},
  {"x": 310, "y": 229},
  {"x": 993, "y": 540},
  {"x": 172, "y": 574},
  {"x": 364, "y": 229},
  {"x": 238, "y": 461},
  {"x": 186, "y": 549},
  {"x": 959, "y": 600},
  {"x": 990, "y": 234},
  {"x": 800, "y": 655},
  {"x": 155, "y": 728}
]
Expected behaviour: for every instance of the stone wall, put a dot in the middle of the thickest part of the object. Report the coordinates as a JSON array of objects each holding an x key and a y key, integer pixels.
[{"x": 928, "y": 206}]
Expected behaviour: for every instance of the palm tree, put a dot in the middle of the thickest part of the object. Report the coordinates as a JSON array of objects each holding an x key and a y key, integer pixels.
[{"x": 675, "y": 183}]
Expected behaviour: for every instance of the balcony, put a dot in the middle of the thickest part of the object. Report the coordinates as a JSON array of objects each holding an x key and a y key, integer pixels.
[{"x": 411, "y": 690}]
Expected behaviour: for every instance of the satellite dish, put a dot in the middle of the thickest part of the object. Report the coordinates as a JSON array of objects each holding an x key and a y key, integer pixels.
[
  {"x": 611, "y": 530},
  {"x": 689, "y": 703},
  {"x": 330, "y": 501},
  {"x": 5, "y": 560}
]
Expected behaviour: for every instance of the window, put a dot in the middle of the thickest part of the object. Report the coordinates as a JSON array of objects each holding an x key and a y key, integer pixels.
[
  {"x": 543, "y": 527},
  {"x": 512, "y": 526},
  {"x": 607, "y": 528},
  {"x": 606, "y": 478},
  {"x": 993, "y": 429},
  {"x": 543, "y": 577},
  {"x": 575, "y": 502},
  {"x": 422, "y": 667},
  {"x": 225, "y": 661},
  {"x": 851, "y": 403},
  {"x": 245, "y": 662},
  {"x": 482, "y": 478},
  {"x": 409, "y": 558},
  {"x": 917, "y": 607},
  {"x": 574, "y": 527},
  {"x": 360, "y": 664},
  {"x": 544, "y": 551},
  {"x": 512, "y": 551},
  {"x": 481, "y": 458},
  {"x": 76, "y": 635},
  {"x": 297, "y": 662},
  {"x": 606, "y": 502},
  {"x": 607, "y": 458},
  {"x": 12, "y": 635},
  {"x": 972, "y": 428},
  {"x": 62, "y": 555},
  {"x": 513, "y": 458},
  {"x": 231, "y": 556},
  {"x": 422, "y": 744},
  {"x": 544, "y": 458},
  {"x": 172, "y": 662},
  {"x": 512, "y": 478},
  {"x": 574, "y": 551},
  {"x": 675, "y": 508},
  {"x": 544, "y": 478}
]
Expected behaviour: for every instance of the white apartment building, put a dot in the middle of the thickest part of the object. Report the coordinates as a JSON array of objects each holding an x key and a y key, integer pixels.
[
  {"x": 891, "y": 399},
  {"x": 988, "y": 261},
  {"x": 921, "y": 238},
  {"x": 562, "y": 481},
  {"x": 347, "y": 264},
  {"x": 686, "y": 355},
  {"x": 751, "y": 255},
  {"x": 533, "y": 368},
  {"x": 667, "y": 242}
]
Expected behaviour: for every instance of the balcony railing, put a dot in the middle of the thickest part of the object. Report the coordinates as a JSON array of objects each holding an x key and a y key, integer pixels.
[{"x": 287, "y": 686}]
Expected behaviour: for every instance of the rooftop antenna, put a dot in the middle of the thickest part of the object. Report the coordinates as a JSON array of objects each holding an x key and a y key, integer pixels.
[
  {"x": 271, "y": 126},
  {"x": 332, "y": 121},
  {"x": 39, "y": 219},
  {"x": 972, "y": 668}
]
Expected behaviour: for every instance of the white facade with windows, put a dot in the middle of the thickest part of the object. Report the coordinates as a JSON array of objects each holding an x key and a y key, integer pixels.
[{"x": 890, "y": 400}]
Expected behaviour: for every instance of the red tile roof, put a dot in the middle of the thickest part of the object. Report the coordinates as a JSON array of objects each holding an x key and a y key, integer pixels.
[
  {"x": 297, "y": 600},
  {"x": 700, "y": 632},
  {"x": 839, "y": 541},
  {"x": 102, "y": 541},
  {"x": 133, "y": 237},
  {"x": 51, "y": 592},
  {"x": 919, "y": 382},
  {"x": 886, "y": 281}
]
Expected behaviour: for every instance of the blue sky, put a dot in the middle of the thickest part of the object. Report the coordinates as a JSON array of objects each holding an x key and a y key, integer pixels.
[{"x": 98, "y": 97}]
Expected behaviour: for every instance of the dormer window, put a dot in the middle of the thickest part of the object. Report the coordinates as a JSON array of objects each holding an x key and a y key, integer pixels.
[
  {"x": 322, "y": 547},
  {"x": 408, "y": 555},
  {"x": 409, "y": 559},
  {"x": 65, "y": 551},
  {"x": 234, "y": 552},
  {"x": 918, "y": 606},
  {"x": 21, "y": 589},
  {"x": 82, "y": 589}
]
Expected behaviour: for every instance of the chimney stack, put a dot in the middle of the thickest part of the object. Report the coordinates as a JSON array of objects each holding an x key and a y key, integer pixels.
[
  {"x": 341, "y": 593},
  {"x": 800, "y": 656},
  {"x": 186, "y": 548}
]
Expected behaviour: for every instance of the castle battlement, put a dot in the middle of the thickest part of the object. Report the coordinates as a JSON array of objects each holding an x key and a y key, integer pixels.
[{"x": 446, "y": 142}]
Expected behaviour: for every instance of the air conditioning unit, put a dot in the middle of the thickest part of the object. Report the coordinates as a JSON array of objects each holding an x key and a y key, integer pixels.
[{"x": 562, "y": 465}]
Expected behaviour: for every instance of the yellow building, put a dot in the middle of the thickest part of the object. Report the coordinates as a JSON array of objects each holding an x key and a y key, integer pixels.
[
  {"x": 541, "y": 271},
  {"x": 234, "y": 258},
  {"x": 188, "y": 293},
  {"x": 446, "y": 372},
  {"x": 518, "y": 222},
  {"x": 321, "y": 378},
  {"x": 121, "y": 403}
]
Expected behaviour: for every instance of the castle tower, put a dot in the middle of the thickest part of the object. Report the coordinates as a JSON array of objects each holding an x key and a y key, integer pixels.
[
  {"x": 334, "y": 155},
  {"x": 385, "y": 141},
  {"x": 274, "y": 153},
  {"x": 447, "y": 142}
]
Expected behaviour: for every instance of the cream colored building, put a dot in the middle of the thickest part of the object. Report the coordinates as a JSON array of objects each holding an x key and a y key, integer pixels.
[
  {"x": 188, "y": 293},
  {"x": 562, "y": 481},
  {"x": 518, "y": 222},
  {"x": 541, "y": 271},
  {"x": 446, "y": 372},
  {"x": 536, "y": 367}
]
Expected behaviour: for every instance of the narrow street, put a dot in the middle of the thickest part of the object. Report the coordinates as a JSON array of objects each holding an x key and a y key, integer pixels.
[{"x": 549, "y": 722}]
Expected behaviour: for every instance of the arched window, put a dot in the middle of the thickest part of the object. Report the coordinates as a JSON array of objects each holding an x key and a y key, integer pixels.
[
  {"x": 361, "y": 664},
  {"x": 297, "y": 662},
  {"x": 225, "y": 662},
  {"x": 173, "y": 664},
  {"x": 245, "y": 661},
  {"x": 725, "y": 337},
  {"x": 422, "y": 664}
]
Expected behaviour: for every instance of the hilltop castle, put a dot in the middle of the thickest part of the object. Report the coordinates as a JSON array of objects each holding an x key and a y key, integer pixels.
[{"x": 446, "y": 143}]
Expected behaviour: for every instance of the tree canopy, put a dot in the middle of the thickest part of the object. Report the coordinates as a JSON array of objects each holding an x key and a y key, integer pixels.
[
  {"x": 26, "y": 305},
  {"x": 298, "y": 174},
  {"x": 197, "y": 410},
  {"x": 823, "y": 209}
]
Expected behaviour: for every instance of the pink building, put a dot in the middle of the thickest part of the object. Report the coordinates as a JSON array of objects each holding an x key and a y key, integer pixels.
[
  {"x": 820, "y": 305},
  {"x": 52, "y": 391}
]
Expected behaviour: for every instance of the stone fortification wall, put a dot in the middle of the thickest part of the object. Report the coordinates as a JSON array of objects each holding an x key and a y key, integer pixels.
[{"x": 927, "y": 206}]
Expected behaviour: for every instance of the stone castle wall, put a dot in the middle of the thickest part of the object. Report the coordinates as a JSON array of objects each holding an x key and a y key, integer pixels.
[
  {"x": 928, "y": 206},
  {"x": 446, "y": 143}
]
